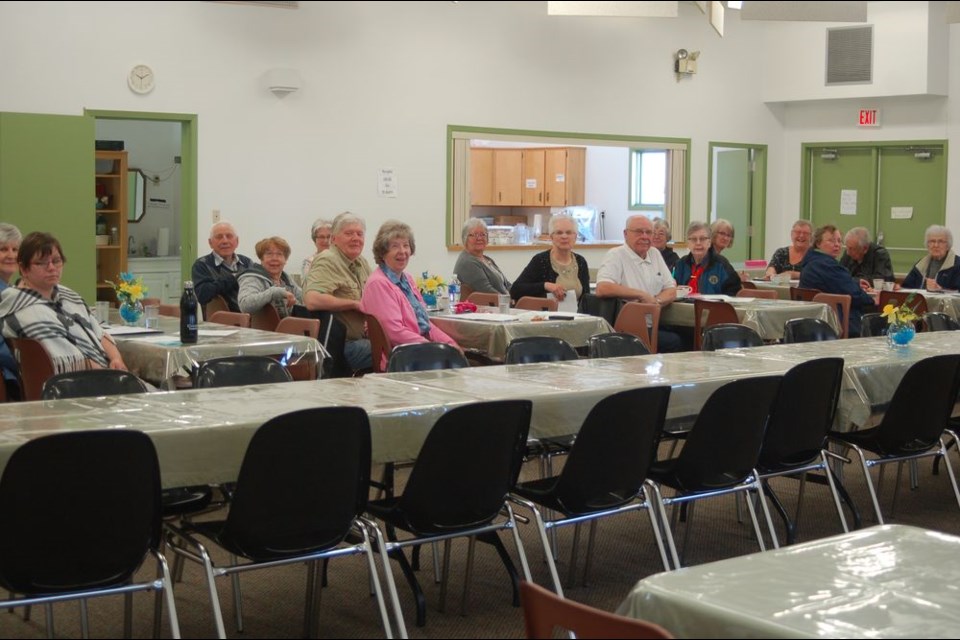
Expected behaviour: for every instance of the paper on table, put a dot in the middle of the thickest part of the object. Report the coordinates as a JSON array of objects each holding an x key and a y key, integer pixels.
[
  {"x": 121, "y": 330},
  {"x": 715, "y": 297},
  {"x": 569, "y": 302},
  {"x": 488, "y": 317}
]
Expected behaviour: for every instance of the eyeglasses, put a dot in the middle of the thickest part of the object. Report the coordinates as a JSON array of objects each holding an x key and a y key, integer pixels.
[
  {"x": 45, "y": 264},
  {"x": 726, "y": 234},
  {"x": 477, "y": 236},
  {"x": 936, "y": 241},
  {"x": 274, "y": 254},
  {"x": 564, "y": 233},
  {"x": 699, "y": 239},
  {"x": 640, "y": 232}
]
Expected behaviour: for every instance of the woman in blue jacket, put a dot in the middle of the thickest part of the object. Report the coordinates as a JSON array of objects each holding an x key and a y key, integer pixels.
[
  {"x": 939, "y": 269},
  {"x": 820, "y": 270},
  {"x": 704, "y": 270}
]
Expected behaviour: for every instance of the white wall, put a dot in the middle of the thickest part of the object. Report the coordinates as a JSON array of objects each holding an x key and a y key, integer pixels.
[{"x": 381, "y": 82}]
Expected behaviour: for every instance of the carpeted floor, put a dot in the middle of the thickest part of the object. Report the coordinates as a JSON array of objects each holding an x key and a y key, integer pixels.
[{"x": 273, "y": 599}]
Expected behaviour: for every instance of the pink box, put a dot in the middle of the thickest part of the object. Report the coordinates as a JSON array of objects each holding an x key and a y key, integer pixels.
[{"x": 755, "y": 264}]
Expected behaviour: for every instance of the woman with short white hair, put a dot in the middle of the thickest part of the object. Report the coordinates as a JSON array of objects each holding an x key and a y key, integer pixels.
[
  {"x": 661, "y": 236},
  {"x": 938, "y": 269},
  {"x": 474, "y": 269},
  {"x": 320, "y": 233},
  {"x": 559, "y": 271}
]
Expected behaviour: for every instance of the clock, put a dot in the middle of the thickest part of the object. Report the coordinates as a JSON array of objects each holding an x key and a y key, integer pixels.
[{"x": 141, "y": 79}]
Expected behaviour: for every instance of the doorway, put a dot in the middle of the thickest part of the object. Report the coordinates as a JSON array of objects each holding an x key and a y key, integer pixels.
[{"x": 737, "y": 192}]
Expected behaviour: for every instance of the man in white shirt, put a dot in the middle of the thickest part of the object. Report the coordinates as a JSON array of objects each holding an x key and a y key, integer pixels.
[{"x": 637, "y": 271}]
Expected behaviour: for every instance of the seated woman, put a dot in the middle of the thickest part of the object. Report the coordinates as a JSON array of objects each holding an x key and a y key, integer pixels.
[
  {"x": 559, "y": 271},
  {"x": 661, "y": 236},
  {"x": 789, "y": 259},
  {"x": 939, "y": 269},
  {"x": 267, "y": 282},
  {"x": 474, "y": 269},
  {"x": 820, "y": 270},
  {"x": 721, "y": 235},
  {"x": 10, "y": 238},
  {"x": 703, "y": 270},
  {"x": 43, "y": 309},
  {"x": 392, "y": 294},
  {"x": 320, "y": 233}
]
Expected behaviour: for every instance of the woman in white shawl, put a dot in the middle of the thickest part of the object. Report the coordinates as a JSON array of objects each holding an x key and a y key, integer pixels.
[
  {"x": 56, "y": 316},
  {"x": 267, "y": 282}
]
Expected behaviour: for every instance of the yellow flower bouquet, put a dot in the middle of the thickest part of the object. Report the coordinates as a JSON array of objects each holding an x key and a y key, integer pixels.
[
  {"x": 130, "y": 291},
  {"x": 430, "y": 287},
  {"x": 900, "y": 319},
  {"x": 899, "y": 315}
]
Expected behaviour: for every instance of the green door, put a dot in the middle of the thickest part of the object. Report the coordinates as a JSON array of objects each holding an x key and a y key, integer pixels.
[
  {"x": 912, "y": 196},
  {"x": 844, "y": 187},
  {"x": 46, "y": 184},
  {"x": 733, "y": 198}
]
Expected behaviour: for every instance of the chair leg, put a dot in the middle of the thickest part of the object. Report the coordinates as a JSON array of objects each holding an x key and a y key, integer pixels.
[
  {"x": 789, "y": 525},
  {"x": 445, "y": 578},
  {"x": 85, "y": 619},
  {"x": 758, "y": 487},
  {"x": 391, "y": 584},
  {"x": 313, "y": 595},
  {"x": 896, "y": 489},
  {"x": 548, "y": 552},
  {"x": 661, "y": 523},
  {"x": 418, "y": 596},
  {"x": 471, "y": 547},
  {"x": 49, "y": 615},
  {"x": 866, "y": 474},
  {"x": 572, "y": 575},
  {"x": 128, "y": 615},
  {"x": 492, "y": 538},
  {"x": 167, "y": 582},
  {"x": 949, "y": 466},
  {"x": 832, "y": 482},
  {"x": 588, "y": 561},
  {"x": 237, "y": 597}
]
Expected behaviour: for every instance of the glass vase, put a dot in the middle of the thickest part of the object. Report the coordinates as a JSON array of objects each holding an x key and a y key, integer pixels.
[
  {"x": 430, "y": 299},
  {"x": 899, "y": 334},
  {"x": 131, "y": 312}
]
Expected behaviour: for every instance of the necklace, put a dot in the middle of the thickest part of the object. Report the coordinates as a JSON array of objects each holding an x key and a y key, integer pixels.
[{"x": 562, "y": 269}]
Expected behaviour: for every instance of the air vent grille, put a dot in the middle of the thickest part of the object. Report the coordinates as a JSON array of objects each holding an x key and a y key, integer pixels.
[{"x": 850, "y": 55}]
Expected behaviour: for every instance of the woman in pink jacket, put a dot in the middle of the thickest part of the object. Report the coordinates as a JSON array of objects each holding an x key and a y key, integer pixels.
[{"x": 391, "y": 294}]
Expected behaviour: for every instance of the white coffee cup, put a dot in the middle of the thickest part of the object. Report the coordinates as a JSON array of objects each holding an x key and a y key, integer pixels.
[
  {"x": 878, "y": 284},
  {"x": 683, "y": 291},
  {"x": 888, "y": 286}
]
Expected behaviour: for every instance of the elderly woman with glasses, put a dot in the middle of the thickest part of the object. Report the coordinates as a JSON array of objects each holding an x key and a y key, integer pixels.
[
  {"x": 661, "y": 236},
  {"x": 559, "y": 271},
  {"x": 721, "y": 235},
  {"x": 320, "y": 233},
  {"x": 822, "y": 271},
  {"x": 474, "y": 269},
  {"x": 43, "y": 309},
  {"x": 391, "y": 294},
  {"x": 939, "y": 269},
  {"x": 703, "y": 269},
  {"x": 267, "y": 282}
]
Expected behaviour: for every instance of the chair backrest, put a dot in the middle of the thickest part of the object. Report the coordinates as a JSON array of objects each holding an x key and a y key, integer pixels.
[
  {"x": 801, "y": 294},
  {"x": 304, "y": 478},
  {"x": 802, "y": 413},
  {"x": 531, "y": 303},
  {"x": 425, "y": 356},
  {"x": 487, "y": 441},
  {"x": 54, "y": 487},
  {"x": 606, "y": 308},
  {"x": 543, "y": 611},
  {"x": 750, "y": 286},
  {"x": 747, "y": 292},
  {"x": 482, "y": 299},
  {"x": 716, "y": 312},
  {"x": 34, "y": 366},
  {"x": 840, "y": 303},
  {"x": 872, "y": 324},
  {"x": 170, "y": 310},
  {"x": 599, "y": 474},
  {"x": 937, "y": 321},
  {"x": 729, "y": 336},
  {"x": 465, "y": 291},
  {"x": 92, "y": 383},
  {"x": 914, "y": 300},
  {"x": 379, "y": 344},
  {"x": 616, "y": 345},
  {"x": 234, "y": 371},
  {"x": 333, "y": 336},
  {"x": 266, "y": 319},
  {"x": 308, "y": 327},
  {"x": 640, "y": 319},
  {"x": 217, "y": 303},
  {"x": 539, "y": 349},
  {"x": 723, "y": 446},
  {"x": 807, "y": 330},
  {"x": 921, "y": 405},
  {"x": 231, "y": 318}
]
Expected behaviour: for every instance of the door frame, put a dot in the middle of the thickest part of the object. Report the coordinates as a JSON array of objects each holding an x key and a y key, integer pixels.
[
  {"x": 188, "y": 174},
  {"x": 755, "y": 235}
]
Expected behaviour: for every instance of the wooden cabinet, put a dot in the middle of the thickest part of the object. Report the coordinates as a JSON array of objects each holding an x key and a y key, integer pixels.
[
  {"x": 563, "y": 176},
  {"x": 112, "y": 203},
  {"x": 552, "y": 177}
]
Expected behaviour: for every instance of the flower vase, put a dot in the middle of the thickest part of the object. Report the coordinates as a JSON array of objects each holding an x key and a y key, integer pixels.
[
  {"x": 899, "y": 334},
  {"x": 430, "y": 299},
  {"x": 131, "y": 312}
]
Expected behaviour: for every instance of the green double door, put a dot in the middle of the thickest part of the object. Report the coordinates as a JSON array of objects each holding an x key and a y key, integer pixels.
[{"x": 896, "y": 190}]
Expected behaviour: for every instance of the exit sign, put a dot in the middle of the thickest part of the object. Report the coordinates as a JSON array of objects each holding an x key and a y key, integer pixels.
[{"x": 869, "y": 118}]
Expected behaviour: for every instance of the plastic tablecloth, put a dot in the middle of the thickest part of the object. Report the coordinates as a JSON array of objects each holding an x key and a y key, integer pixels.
[
  {"x": 158, "y": 357},
  {"x": 889, "y": 581},
  {"x": 764, "y": 316},
  {"x": 948, "y": 303}
]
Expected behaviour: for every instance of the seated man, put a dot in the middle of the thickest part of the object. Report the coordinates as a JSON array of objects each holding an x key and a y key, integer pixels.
[
  {"x": 865, "y": 260},
  {"x": 335, "y": 283},
  {"x": 216, "y": 274},
  {"x": 636, "y": 271}
]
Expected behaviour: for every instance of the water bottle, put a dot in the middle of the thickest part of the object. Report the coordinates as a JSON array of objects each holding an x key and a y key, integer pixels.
[
  {"x": 453, "y": 291},
  {"x": 188, "y": 314}
]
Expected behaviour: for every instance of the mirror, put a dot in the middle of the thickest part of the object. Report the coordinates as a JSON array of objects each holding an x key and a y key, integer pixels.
[{"x": 137, "y": 195}]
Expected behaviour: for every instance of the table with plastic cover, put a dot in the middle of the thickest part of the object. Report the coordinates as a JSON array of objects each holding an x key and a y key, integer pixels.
[
  {"x": 782, "y": 288},
  {"x": 492, "y": 336},
  {"x": 888, "y": 581},
  {"x": 158, "y": 357},
  {"x": 947, "y": 302},
  {"x": 764, "y": 316}
]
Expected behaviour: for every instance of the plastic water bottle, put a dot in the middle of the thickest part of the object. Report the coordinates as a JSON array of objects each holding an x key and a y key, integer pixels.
[
  {"x": 188, "y": 314},
  {"x": 453, "y": 291}
]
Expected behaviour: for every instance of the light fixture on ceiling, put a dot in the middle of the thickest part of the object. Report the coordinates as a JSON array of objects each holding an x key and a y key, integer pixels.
[
  {"x": 281, "y": 82},
  {"x": 829, "y": 154}
]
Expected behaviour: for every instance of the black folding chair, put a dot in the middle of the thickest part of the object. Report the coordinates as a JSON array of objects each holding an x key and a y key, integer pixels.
[
  {"x": 807, "y": 330},
  {"x": 233, "y": 371},
  {"x": 616, "y": 345},
  {"x": 539, "y": 349},
  {"x": 425, "y": 356},
  {"x": 729, "y": 336}
]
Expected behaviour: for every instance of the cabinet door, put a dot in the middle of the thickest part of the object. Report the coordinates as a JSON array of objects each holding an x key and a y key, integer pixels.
[
  {"x": 533, "y": 160},
  {"x": 481, "y": 177},
  {"x": 506, "y": 175},
  {"x": 173, "y": 288},
  {"x": 563, "y": 176}
]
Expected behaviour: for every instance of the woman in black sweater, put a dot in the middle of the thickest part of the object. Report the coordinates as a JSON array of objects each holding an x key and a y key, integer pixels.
[{"x": 559, "y": 271}]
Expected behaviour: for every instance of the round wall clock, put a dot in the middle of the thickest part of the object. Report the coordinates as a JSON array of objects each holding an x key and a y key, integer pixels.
[{"x": 141, "y": 79}]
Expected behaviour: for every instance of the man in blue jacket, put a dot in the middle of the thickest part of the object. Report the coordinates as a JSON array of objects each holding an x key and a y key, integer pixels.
[{"x": 216, "y": 274}]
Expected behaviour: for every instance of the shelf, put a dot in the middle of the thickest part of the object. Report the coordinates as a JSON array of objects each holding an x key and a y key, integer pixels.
[
  {"x": 108, "y": 246},
  {"x": 111, "y": 211}
]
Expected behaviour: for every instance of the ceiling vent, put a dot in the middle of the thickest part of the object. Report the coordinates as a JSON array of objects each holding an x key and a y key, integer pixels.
[{"x": 849, "y": 55}]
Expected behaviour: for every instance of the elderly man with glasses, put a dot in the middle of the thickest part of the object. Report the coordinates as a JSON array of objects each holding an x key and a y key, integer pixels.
[
  {"x": 636, "y": 271},
  {"x": 939, "y": 269},
  {"x": 865, "y": 260}
]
